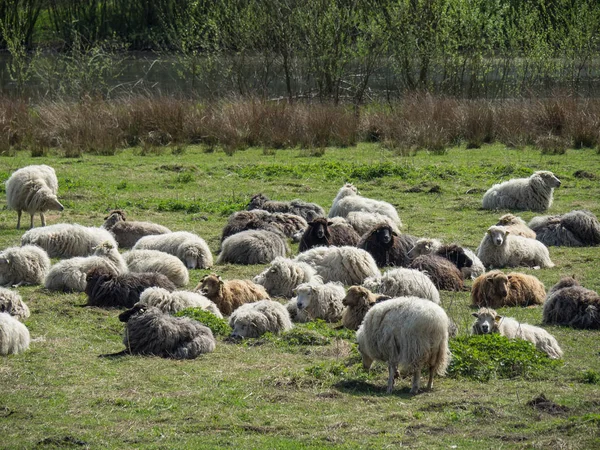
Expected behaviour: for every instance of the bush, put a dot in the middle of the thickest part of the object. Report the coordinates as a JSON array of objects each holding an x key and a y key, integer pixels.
[{"x": 218, "y": 326}]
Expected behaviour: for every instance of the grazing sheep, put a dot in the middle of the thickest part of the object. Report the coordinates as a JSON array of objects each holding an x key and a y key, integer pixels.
[
  {"x": 149, "y": 331},
  {"x": 348, "y": 200},
  {"x": 252, "y": 247},
  {"x": 172, "y": 302},
  {"x": 363, "y": 222},
  {"x": 579, "y": 228},
  {"x": 108, "y": 290},
  {"x": 426, "y": 246},
  {"x": 23, "y": 265},
  {"x": 308, "y": 211},
  {"x": 257, "y": 219},
  {"x": 65, "y": 240},
  {"x": 516, "y": 226},
  {"x": 403, "y": 283},
  {"x": 127, "y": 233},
  {"x": 497, "y": 290},
  {"x": 12, "y": 303},
  {"x": 570, "y": 304},
  {"x": 284, "y": 275},
  {"x": 443, "y": 273},
  {"x": 348, "y": 265},
  {"x": 358, "y": 301},
  {"x": 33, "y": 189},
  {"x": 14, "y": 336},
  {"x": 155, "y": 261},
  {"x": 190, "y": 248},
  {"x": 499, "y": 248},
  {"x": 406, "y": 332},
  {"x": 533, "y": 193},
  {"x": 231, "y": 294},
  {"x": 387, "y": 247},
  {"x": 296, "y": 315},
  {"x": 252, "y": 320},
  {"x": 323, "y": 232},
  {"x": 321, "y": 301},
  {"x": 488, "y": 322}
]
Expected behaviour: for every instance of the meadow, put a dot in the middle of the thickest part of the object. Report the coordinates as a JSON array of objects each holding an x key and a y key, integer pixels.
[{"x": 285, "y": 393}]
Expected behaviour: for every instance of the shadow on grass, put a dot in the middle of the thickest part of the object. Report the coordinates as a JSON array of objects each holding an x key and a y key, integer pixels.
[
  {"x": 115, "y": 355},
  {"x": 359, "y": 387}
]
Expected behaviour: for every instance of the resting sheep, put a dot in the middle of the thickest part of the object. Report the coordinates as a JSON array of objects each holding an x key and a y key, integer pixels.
[
  {"x": 308, "y": 211},
  {"x": 325, "y": 233},
  {"x": 363, "y": 222},
  {"x": 257, "y": 219},
  {"x": 403, "y": 283},
  {"x": 14, "y": 336},
  {"x": 296, "y": 315},
  {"x": 570, "y": 304},
  {"x": 427, "y": 246},
  {"x": 23, "y": 265},
  {"x": 387, "y": 247},
  {"x": 579, "y": 228},
  {"x": 444, "y": 274},
  {"x": 321, "y": 301},
  {"x": 498, "y": 290},
  {"x": 357, "y": 302},
  {"x": 252, "y": 320},
  {"x": 190, "y": 248},
  {"x": 127, "y": 233},
  {"x": 516, "y": 226},
  {"x": 252, "y": 247},
  {"x": 231, "y": 294},
  {"x": 12, "y": 303},
  {"x": 172, "y": 302},
  {"x": 348, "y": 200},
  {"x": 140, "y": 261},
  {"x": 284, "y": 275}
]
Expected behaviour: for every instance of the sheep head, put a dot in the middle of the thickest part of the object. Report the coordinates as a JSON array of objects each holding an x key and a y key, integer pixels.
[
  {"x": 44, "y": 200},
  {"x": 358, "y": 295},
  {"x": 548, "y": 178},
  {"x": 247, "y": 326},
  {"x": 257, "y": 201},
  {"x": 424, "y": 246},
  {"x": 136, "y": 310},
  {"x": 509, "y": 219},
  {"x": 347, "y": 190},
  {"x": 116, "y": 215},
  {"x": 497, "y": 234},
  {"x": 104, "y": 248},
  {"x": 304, "y": 295},
  {"x": 497, "y": 285},
  {"x": 211, "y": 285},
  {"x": 456, "y": 255},
  {"x": 487, "y": 321},
  {"x": 565, "y": 282},
  {"x": 320, "y": 229}
]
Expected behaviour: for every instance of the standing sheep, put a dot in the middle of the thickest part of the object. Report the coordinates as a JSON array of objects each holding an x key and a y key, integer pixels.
[
  {"x": 308, "y": 211},
  {"x": 284, "y": 275},
  {"x": 321, "y": 301},
  {"x": 579, "y": 228},
  {"x": 403, "y": 283},
  {"x": 387, "y": 247},
  {"x": 252, "y": 320},
  {"x": 127, "y": 233},
  {"x": 12, "y": 303},
  {"x": 14, "y": 336},
  {"x": 23, "y": 265},
  {"x": 323, "y": 232},
  {"x": 140, "y": 261},
  {"x": 497, "y": 290},
  {"x": 570, "y": 304},
  {"x": 426, "y": 246},
  {"x": 348, "y": 200},
  {"x": 190, "y": 248},
  {"x": 252, "y": 247},
  {"x": 444, "y": 274},
  {"x": 173, "y": 302},
  {"x": 516, "y": 226},
  {"x": 406, "y": 332},
  {"x": 358, "y": 301},
  {"x": 231, "y": 294}
]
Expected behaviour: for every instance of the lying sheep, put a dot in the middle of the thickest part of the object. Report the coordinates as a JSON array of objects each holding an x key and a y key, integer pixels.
[
  {"x": 348, "y": 200},
  {"x": 579, "y": 228},
  {"x": 252, "y": 247},
  {"x": 308, "y": 211},
  {"x": 127, "y": 233},
  {"x": 14, "y": 336},
  {"x": 149, "y": 331},
  {"x": 257, "y": 219},
  {"x": 321, "y": 301},
  {"x": 12, "y": 303},
  {"x": 172, "y": 302},
  {"x": 426, "y": 246},
  {"x": 252, "y": 320},
  {"x": 23, "y": 265},
  {"x": 325, "y": 233},
  {"x": 444, "y": 274},
  {"x": 403, "y": 283},
  {"x": 65, "y": 240},
  {"x": 497, "y": 290},
  {"x": 284, "y": 275},
  {"x": 357, "y": 302},
  {"x": 231, "y": 294},
  {"x": 140, "y": 261},
  {"x": 363, "y": 222},
  {"x": 516, "y": 226},
  {"x": 387, "y": 247},
  {"x": 296, "y": 315},
  {"x": 190, "y": 248},
  {"x": 406, "y": 332},
  {"x": 488, "y": 322},
  {"x": 570, "y": 304},
  {"x": 33, "y": 189},
  {"x": 499, "y": 248}
]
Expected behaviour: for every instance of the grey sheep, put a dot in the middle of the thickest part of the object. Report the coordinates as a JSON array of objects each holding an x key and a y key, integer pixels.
[
  {"x": 570, "y": 304},
  {"x": 156, "y": 261},
  {"x": 579, "y": 228},
  {"x": 323, "y": 232},
  {"x": 175, "y": 301},
  {"x": 444, "y": 274},
  {"x": 403, "y": 282},
  {"x": 308, "y": 211},
  {"x": 258, "y": 219},
  {"x": 14, "y": 336},
  {"x": 363, "y": 221},
  {"x": 127, "y": 233},
  {"x": 253, "y": 247},
  {"x": 23, "y": 265},
  {"x": 284, "y": 275},
  {"x": 12, "y": 303},
  {"x": 321, "y": 301},
  {"x": 348, "y": 200},
  {"x": 252, "y": 320},
  {"x": 190, "y": 248}
]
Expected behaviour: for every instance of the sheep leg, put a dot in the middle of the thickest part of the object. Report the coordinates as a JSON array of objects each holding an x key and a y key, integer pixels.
[
  {"x": 416, "y": 379},
  {"x": 31, "y": 223},
  {"x": 393, "y": 368},
  {"x": 19, "y": 219},
  {"x": 430, "y": 382},
  {"x": 43, "y": 217}
]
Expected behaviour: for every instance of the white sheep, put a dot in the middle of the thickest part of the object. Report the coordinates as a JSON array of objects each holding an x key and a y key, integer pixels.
[
  {"x": 190, "y": 248},
  {"x": 252, "y": 320},
  {"x": 488, "y": 321},
  {"x": 406, "y": 332},
  {"x": 14, "y": 336},
  {"x": 533, "y": 193},
  {"x": 403, "y": 282},
  {"x": 128, "y": 232},
  {"x": 33, "y": 189},
  {"x": 23, "y": 265},
  {"x": 363, "y": 221},
  {"x": 321, "y": 301},
  {"x": 348, "y": 200},
  {"x": 140, "y": 261},
  {"x": 499, "y": 248},
  {"x": 284, "y": 275},
  {"x": 252, "y": 247},
  {"x": 172, "y": 302},
  {"x": 426, "y": 246},
  {"x": 296, "y": 315},
  {"x": 12, "y": 303}
]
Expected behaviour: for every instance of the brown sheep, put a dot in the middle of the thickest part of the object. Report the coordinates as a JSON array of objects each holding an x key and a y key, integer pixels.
[
  {"x": 358, "y": 301},
  {"x": 516, "y": 225},
  {"x": 496, "y": 290},
  {"x": 230, "y": 295},
  {"x": 322, "y": 232},
  {"x": 444, "y": 274},
  {"x": 127, "y": 233},
  {"x": 572, "y": 305}
]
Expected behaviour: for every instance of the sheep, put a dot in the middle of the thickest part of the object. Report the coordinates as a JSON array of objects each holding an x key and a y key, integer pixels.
[
  {"x": 70, "y": 275},
  {"x": 348, "y": 199},
  {"x": 444, "y": 274},
  {"x": 426, "y": 246},
  {"x": 252, "y": 247},
  {"x": 156, "y": 261},
  {"x": 172, "y": 302},
  {"x": 127, "y": 233},
  {"x": 570, "y": 304},
  {"x": 231, "y": 294},
  {"x": 308, "y": 211},
  {"x": 362, "y": 221},
  {"x": 579, "y": 228},
  {"x": 107, "y": 290},
  {"x": 257, "y": 219},
  {"x": 190, "y": 248},
  {"x": 358, "y": 301},
  {"x": 405, "y": 332},
  {"x": 252, "y": 320},
  {"x": 66, "y": 240},
  {"x": 497, "y": 290},
  {"x": 348, "y": 265},
  {"x": 321, "y": 301},
  {"x": 33, "y": 189},
  {"x": 387, "y": 247},
  {"x": 23, "y": 265},
  {"x": 403, "y": 283},
  {"x": 14, "y": 336},
  {"x": 488, "y": 321},
  {"x": 323, "y": 232},
  {"x": 149, "y": 331},
  {"x": 533, "y": 193},
  {"x": 516, "y": 226},
  {"x": 284, "y": 275},
  {"x": 296, "y": 315},
  {"x": 499, "y": 248},
  {"x": 12, "y": 303}
]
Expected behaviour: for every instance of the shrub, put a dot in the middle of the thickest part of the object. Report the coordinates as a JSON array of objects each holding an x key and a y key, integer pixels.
[{"x": 218, "y": 326}]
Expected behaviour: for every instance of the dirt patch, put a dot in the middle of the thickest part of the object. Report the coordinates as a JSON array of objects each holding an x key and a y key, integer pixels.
[
  {"x": 62, "y": 442},
  {"x": 584, "y": 174},
  {"x": 542, "y": 404}
]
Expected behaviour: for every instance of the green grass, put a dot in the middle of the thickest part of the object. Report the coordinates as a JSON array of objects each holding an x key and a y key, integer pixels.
[{"x": 305, "y": 389}]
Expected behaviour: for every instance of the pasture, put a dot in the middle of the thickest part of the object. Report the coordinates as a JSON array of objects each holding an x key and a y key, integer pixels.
[{"x": 275, "y": 393}]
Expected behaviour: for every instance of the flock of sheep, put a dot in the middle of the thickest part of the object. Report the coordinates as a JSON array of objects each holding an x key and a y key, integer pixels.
[{"x": 397, "y": 313}]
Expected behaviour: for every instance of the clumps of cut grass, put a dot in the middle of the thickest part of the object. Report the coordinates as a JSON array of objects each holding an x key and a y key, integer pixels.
[
  {"x": 218, "y": 326},
  {"x": 314, "y": 333}
]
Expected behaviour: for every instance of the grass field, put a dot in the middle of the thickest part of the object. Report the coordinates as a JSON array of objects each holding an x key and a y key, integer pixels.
[{"x": 267, "y": 393}]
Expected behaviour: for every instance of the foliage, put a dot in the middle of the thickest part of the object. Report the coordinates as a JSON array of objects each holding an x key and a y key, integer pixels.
[
  {"x": 218, "y": 326},
  {"x": 590, "y": 376}
]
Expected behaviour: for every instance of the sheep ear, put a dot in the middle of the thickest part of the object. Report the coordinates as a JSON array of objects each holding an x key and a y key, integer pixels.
[
  {"x": 475, "y": 315},
  {"x": 329, "y": 223},
  {"x": 498, "y": 319}
]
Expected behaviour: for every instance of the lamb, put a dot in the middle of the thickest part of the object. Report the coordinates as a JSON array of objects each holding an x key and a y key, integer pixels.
[
  {"x": 387, "y": 247},
  {"x": 308, "y": 211},
  {"x": 33, "y": 189},
  {"x": 66, "y": 240},
  {"x": 579, "y": 228},
  {"x": 499, "y": 248},
  {"x": 252, "y": 320},
  {"x": 12, "y": 303},
  {"x": 426, "y": 246},
  {"x": 107, "y": 290},
  {"x": 284, "y": 275},
  {"x": 23, "y": 265},
  {"x": 570, "y": 304},
  {"x": 149, "y": 331},
  {"x": 172, "y": 302},
  {"x": 231, "y": 294},
  {"x": 190, "y": 248},
  {"x": 140, "y": 261},
  {"x": 403, "y": 283},
  {"x": 14, "y": 336},
  {"x": 348, "y": 200},
  {"x": 321, "y": 301},
  {"x": 533, "y": 193},
  {"x": 443, "y": 273},
  {"x": 488, "y": 321},
  {"x": 257, "y": 219},
  {"x": 358, "y": 301},
  {"x": 127, "y": 233},
  {"x": 516, "y": 226},
  {"x": 405, "y": 332},
  {"x": 323, "y": 232},
  {"x": 497, "y": 290},
  {"x": 348, "y": 265},
  {"x": 253, "y": 247},
  {"x": 363, "y": 222}
]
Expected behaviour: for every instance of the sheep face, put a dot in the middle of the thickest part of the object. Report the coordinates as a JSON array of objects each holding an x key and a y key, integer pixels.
[
  {"x": 487, "y": 321},
  {"x": 257, "y": 202},
  {"x": 457, "y": 256},
  {"x": 104, "y": 249},
  {"x": 424, "y": 247},
  {"x": 385, "y": 235},
  {"x": 136, "y": 310},
  {"x": 498, "y": 235},
  {"x": 247, "y": 326},
  {"x": 548, "y": 178},
  {"x": 304, "y": 296},
  {"x": 211, "y": 285},
  {"x": 357, "y": 295},
  {"x": 46, "y": 200},
  {"x": 497, "y": 286},
  {"x": 347, "y": 190},
  {"x": 112, "y": 219}
]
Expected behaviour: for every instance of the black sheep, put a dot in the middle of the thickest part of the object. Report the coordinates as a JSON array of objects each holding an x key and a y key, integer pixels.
[
  {"x": 387, "y": 247},
  {"x": 323, "y": 233},
  {"x": 570, "y": 304},
  {"x": 456, "y": 255},
  {"x": 444, "y": 274}
]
